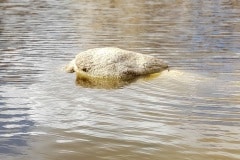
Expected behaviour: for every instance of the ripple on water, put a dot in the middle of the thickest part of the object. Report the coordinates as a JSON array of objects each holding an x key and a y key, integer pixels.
[{"x": 189, "y": 112}]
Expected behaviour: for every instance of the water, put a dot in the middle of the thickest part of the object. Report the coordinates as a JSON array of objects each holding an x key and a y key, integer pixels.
[{"x": 190, "y": 112}]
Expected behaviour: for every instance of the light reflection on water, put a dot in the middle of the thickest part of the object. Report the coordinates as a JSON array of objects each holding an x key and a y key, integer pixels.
[{"x": 189, "y": 112}]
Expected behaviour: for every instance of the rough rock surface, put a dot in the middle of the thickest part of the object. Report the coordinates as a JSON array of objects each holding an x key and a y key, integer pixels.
[{"x": 111, "y": 62}]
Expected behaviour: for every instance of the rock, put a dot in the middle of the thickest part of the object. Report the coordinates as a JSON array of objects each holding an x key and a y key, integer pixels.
[{"x": 111, "y": 62}]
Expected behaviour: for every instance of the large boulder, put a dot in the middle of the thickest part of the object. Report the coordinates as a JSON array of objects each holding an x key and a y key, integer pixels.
[{"x": 111, "y": 62}]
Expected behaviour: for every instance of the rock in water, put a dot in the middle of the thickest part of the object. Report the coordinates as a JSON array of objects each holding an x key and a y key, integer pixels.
[{"x": 111, "y": 62}]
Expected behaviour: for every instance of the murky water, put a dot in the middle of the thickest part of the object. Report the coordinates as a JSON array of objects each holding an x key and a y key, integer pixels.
[{"x": 191, "y": 112}]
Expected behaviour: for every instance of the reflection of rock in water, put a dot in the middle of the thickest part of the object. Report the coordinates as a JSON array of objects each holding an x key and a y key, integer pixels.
[
  {"x": 108, "y": 83},
  {"x": 102, "y": 83}
]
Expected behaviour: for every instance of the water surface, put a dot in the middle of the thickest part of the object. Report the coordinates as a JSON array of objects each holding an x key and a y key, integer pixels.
[{"x": 190, "y": 112}]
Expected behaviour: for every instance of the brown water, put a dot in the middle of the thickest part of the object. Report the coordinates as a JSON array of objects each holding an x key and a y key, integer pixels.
[{"x": 191, "y": 112}]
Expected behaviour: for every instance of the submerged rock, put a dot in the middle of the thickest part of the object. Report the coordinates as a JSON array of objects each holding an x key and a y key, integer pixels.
[{"x": 111, "y": 62}]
